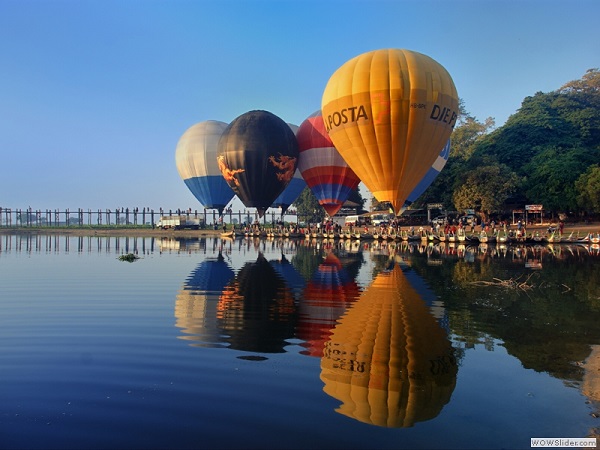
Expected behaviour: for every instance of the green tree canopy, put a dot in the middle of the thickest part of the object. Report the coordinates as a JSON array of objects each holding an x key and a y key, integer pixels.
[
  {"x": 588, "y": 189},
  {"x": 552, "y": 174},
  {"x": 308, "y": 206},
  {"x": 485, "y": 189},
  {"x": 548, "y": 143}
]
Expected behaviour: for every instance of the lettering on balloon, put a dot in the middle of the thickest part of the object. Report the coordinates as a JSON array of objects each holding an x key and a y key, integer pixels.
[
  {"x": 444, "y": 114},
  {"x": 346, "y": 115}
]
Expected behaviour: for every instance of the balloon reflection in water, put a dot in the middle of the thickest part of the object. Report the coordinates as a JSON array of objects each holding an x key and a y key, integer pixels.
[
  {"x": 388, "y": 360},
  {"x": 196, "y": 304},
  {"x": 257, "y": 309},
  {"x": 327, "y": 296},
  {"x": 294, "y": 280}
]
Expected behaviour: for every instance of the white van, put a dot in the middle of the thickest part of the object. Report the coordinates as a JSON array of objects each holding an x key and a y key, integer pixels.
[{"x": 381, "y": 219}]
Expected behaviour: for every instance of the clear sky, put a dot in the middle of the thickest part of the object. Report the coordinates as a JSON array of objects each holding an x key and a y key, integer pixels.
[{"x": 95, "y": 94}]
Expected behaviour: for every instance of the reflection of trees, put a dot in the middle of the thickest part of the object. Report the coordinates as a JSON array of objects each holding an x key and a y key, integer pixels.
[
  {"x": 388, "y": 360},
  {"x": 380, "y": 264},
  {"x": 548, "y": 328},
  {"x": 257, "y": 309},
  {"x": 307, "y": 260}
]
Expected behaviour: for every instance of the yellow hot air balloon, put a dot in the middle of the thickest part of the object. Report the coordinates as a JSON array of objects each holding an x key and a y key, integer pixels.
[
  {"x": 388, "y": 113},
  {"x": 388, "y": 360}
]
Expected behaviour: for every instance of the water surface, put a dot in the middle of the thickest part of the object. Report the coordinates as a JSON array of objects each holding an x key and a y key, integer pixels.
[{"x": 205, "y": 343}]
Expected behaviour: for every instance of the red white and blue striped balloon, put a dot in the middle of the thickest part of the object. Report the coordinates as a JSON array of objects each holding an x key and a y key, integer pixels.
[
  {"x": 431, "y": 174},
  {"x": 196, "y": 161},
  {"x": 326, "y": 173}
]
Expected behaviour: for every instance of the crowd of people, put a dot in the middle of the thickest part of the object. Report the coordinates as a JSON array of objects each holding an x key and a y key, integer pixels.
[{"x": 449, "y": 228}]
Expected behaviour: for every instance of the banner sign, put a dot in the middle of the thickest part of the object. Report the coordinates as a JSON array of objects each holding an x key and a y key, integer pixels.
[{"x": 533, "y": 207}]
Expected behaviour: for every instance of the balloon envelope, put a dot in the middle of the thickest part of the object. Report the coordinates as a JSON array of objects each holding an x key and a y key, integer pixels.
[
  {"x": 326, "y": 173},
  {"x": 196, "y": 161},
  {"x": 294, "y": 189},
  {"x": 196, "y": 303},
  {"x": 389, "y": 112},
  {"x": 257, "y": 155},
  {"x": 388, "y": 360},
  {"x": 328, "y": 295},
  {"x": 431, "y": 174},
  {"x": 257, "y": 309}
]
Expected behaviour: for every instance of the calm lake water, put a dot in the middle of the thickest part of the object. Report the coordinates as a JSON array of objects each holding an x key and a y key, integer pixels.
[{"x": 207, "y": 343}]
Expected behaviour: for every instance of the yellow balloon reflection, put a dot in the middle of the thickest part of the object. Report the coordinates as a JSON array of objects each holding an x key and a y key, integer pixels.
[{"x": 388, "y": 360}]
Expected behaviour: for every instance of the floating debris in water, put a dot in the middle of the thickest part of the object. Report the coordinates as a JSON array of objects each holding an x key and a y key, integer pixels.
[{"x": 129, "y": 257}]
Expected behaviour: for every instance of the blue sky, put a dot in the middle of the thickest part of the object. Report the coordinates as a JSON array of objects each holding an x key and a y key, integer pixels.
[{"x": 95, "y": 94}]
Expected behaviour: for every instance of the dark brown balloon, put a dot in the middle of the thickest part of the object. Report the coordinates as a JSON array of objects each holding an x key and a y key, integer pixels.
[{"x": 257, "y": 155}]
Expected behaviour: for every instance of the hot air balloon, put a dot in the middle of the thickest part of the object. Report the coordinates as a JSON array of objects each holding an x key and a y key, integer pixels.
[
  {"x": 196, "y": 303},
  {"x": 257, "y": 309},
  {"x": 293, "y": 190},
  {"x": 388, "y": 113},
  {"x": 431, "y": 174},
  {"x": 196, "y": 161},
  {"x": 388, "y": 360},
  {"x": 322, "y": 167},
  {"x": 328, "y": 295},
  {"x": 257, "y": 155}
]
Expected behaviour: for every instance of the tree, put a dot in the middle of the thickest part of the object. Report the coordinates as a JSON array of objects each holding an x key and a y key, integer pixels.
[
  {"x": 467, "y": 134},
  {"x": 588, "y": 189},
  {"x": 580, "y": 103},
  {"x": 588, "y": 85},
  {"x": 549, "y": 142},
  {"x": 376, "y": 205},
  {"x": 552, "y": 174},
  {"x": 308, "y": 206},
  {"x": 485, "y": 189},
  {"x": 537, "y": 124},
  {"x": 356, "y": 197}
]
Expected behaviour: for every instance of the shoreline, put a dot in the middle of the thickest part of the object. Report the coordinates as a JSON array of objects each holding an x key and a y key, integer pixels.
[
  {"x": 158, "y": 233},
  {"x": 143, "y": 232}
]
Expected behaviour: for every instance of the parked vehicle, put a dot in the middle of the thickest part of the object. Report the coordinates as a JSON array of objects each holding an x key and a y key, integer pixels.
[
  {"x": 380, "y": 219},
  {"x": 180, "y": 223},
  {"x": 355, "y": 221},
  {"x": 439, "y": 220}
]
